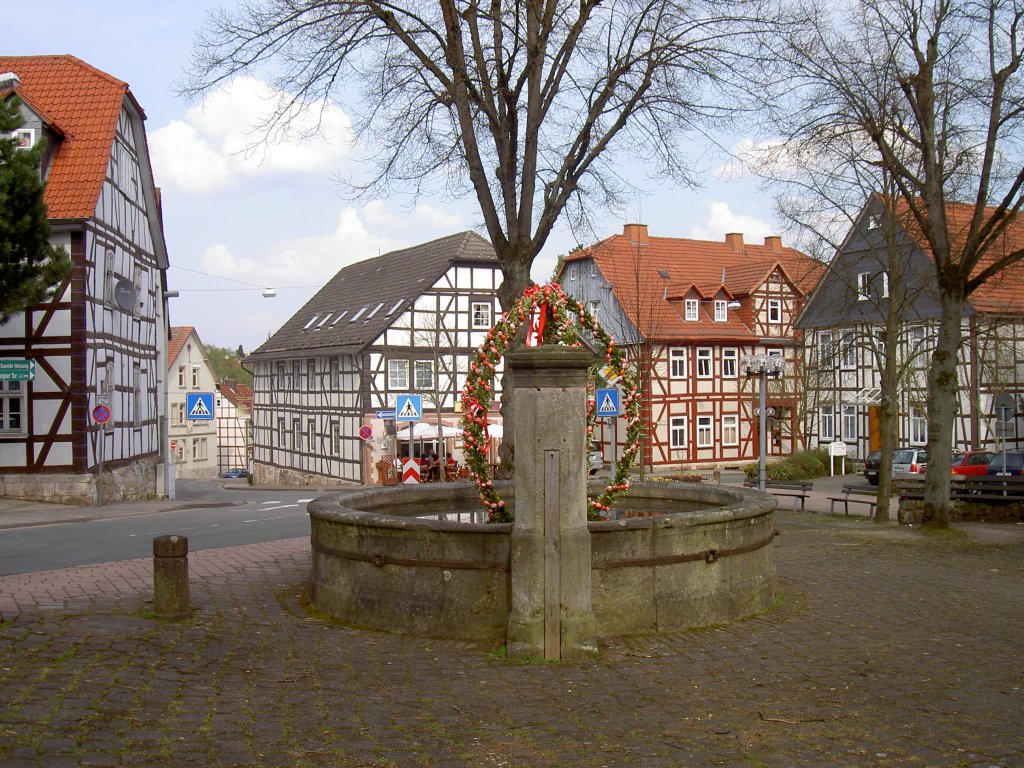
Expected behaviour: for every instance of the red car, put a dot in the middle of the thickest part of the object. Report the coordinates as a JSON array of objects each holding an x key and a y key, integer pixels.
[{"x": 971, "y": 462}]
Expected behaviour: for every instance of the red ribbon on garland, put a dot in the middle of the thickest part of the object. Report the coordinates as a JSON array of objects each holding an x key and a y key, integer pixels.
[{"x": 538, "y": 318}]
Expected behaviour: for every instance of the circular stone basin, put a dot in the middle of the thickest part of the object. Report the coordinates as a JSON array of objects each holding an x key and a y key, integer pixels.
[{"x": 681, "y": 555}]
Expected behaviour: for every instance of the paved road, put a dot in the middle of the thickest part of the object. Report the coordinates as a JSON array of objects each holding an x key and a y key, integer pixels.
[
  {"x": 244, "y": 521},
  {"x": 889, "y": 647}
]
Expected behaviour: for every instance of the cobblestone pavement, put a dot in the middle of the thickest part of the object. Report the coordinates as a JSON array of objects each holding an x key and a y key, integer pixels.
[{"x": 889, "y": 647}]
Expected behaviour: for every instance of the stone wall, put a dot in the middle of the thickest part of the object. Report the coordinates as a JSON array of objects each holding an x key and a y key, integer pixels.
[
  {"x": 265, "y": 474},
  {"x": 134, "y": 482}
]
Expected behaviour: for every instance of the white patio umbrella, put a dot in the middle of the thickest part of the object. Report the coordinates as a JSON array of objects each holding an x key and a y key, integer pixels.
[{"x": 421, "y": 430}]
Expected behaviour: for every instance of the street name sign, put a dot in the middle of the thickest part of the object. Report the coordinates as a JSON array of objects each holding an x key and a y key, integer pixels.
[{"x": 17, "y": 370}]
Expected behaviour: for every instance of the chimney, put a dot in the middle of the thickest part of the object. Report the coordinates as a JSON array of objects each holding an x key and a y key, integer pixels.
[
  {"x": 735, "y": 240},
  {"x": 773, "y": 243},
  {"x": 635, "y": 233}
]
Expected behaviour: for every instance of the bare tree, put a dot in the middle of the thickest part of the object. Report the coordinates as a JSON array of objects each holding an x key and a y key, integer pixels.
[
  {"x": 526, "y": 103},
  {"x": 931, "y": 93}
]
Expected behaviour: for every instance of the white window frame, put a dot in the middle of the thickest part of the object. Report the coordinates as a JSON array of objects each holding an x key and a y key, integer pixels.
[
  {"x": 705, "y": 432},
  {"x": 311, "y": 375},
  {"x": 677, "y": 363},
  {"x": 573, "y": 269},
  {"x": 423, "y": 375},
  {"x": 136, "y": 395},
  {"x": 335, "y": 439},
  {"x": 721, "y": 310},
  {"x": 335, "y": 375},
  {"x": 195, "y": 377},
  {"x": 775, "y": 311},
  {"x": 677, "y": 433},
  {"x": 848, "y": 351},
  {"x": 730, "y": 430},
  {"x": 25, "y": 138},
  {"x": 280, "y": 432},
  {"x": 918, "y": 428},
  {"x": 849, "y": 423},
  {"x": 692, "y": 310},
  {"x": 398, "y": 375},
  {"x": 827, "y": 424},
  {"x": 480, "y": 315},
  {"x": 181, "y": 376},
  {"x": 826, "y": 359},
  {"x": 730, "y": 363},
  {"x": 863, "y": 286},
  {"x": 12, "y": 407},
  {"x": 704, "y": 359},
  {"x": 310, "y": 435}
]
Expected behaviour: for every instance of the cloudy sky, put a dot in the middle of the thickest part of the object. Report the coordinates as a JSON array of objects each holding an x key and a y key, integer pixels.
[{"x": 237, "y": 222}]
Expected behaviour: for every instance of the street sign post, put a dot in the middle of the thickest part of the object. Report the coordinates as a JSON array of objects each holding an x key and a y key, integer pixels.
[{"x": 17, "y": 370}]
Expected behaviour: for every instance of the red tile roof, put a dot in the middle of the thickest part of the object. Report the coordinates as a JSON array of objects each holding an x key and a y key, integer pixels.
[
  {"x": 645, "y": 271},
  {"x": 239, "y": 394},
  {"x": 83, "y": 104},
  {"x": 1003, "y": 293},
  {"x": 175, "y": 341}
]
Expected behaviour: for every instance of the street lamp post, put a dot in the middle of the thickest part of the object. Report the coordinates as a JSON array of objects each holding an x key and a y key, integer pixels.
[{"x": 762, "y": 366}]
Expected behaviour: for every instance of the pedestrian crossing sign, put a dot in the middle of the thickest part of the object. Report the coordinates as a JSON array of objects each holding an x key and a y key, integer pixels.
[
  {"x": 608, "y": 403},
  {"x": 199, "y": 406},
  {"x": 408, "y": 408}
]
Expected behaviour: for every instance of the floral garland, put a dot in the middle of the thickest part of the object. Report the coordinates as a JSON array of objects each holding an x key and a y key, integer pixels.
[{"x": 550, "y": 312}]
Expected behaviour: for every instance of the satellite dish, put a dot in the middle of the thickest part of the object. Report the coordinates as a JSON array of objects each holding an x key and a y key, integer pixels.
[{"x": 124, "y": 295}]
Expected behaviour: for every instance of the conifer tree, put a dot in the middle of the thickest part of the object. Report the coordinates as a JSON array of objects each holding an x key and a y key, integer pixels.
[{"x": 30, "y": 268}]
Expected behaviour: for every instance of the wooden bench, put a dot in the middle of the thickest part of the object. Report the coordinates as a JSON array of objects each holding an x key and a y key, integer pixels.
[
  {"x": 978, "y": 488},
  {"x": 795, "y": 489},
  {"x": 850, "y": 492}
]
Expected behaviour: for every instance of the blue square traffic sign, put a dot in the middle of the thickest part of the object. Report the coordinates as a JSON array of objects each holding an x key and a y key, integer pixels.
[
  {"x": 199, "y": 406},
  {"x": 408, "y": 408},
  {"x": 608, "y": 403}
]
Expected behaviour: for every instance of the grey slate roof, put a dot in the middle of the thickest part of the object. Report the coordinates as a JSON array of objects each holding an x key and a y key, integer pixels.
[{"x": 365, "y": 298}]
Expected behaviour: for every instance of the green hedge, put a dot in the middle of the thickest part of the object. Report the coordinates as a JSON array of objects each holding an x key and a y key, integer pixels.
[{"x": 803, "y": 465}]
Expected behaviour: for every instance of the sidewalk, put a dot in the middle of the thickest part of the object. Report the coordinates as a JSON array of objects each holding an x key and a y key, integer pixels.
[{"x": 889, "y": 647}]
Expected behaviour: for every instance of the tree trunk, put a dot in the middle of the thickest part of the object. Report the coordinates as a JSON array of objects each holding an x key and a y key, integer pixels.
[
  {"x": 516, "y": 271},
  {"x": 943, "y": 387}
]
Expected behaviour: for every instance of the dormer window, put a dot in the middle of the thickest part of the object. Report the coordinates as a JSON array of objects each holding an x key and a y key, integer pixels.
[
  {"x": 721, "y": 311},
  {"x": 691, "y": 310},
  {"x": 774, "y": 310}
]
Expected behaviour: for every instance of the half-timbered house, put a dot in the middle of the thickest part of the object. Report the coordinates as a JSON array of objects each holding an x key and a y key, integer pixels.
[
  {"x": 409, "y": 321},
  {"x": 193, "y": 436},
  {"x": 688, "y": 312},
  {"x": 884, "y": 270},
  {"x": 102, "y": 340},
  {"x": 234, "y": 425}
]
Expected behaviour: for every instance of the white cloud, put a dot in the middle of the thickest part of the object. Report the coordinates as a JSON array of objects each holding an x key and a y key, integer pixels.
[
  {"x": 309, "y": 260},
  {"x": 721, "y": 220},
  {"x": 223, "y": 140}
]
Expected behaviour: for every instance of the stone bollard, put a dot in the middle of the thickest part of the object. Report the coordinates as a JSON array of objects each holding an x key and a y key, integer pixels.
[
  {"x": 170, "y": 576},
  {"x": 718, "y": 477}
]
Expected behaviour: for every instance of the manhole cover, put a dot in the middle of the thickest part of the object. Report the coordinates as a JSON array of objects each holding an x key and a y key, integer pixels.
[{"x": 102, "y": 624}]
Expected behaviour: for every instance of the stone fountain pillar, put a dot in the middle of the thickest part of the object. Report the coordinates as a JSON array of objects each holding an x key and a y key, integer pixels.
[{"x": 551, "y": 614}]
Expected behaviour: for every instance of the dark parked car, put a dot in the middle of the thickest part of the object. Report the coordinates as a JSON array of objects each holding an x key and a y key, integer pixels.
[
  {"x": 234, "y": 472},
  {"x": 1014, "y": 464},
  {"x": 872, "y": 467}
]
